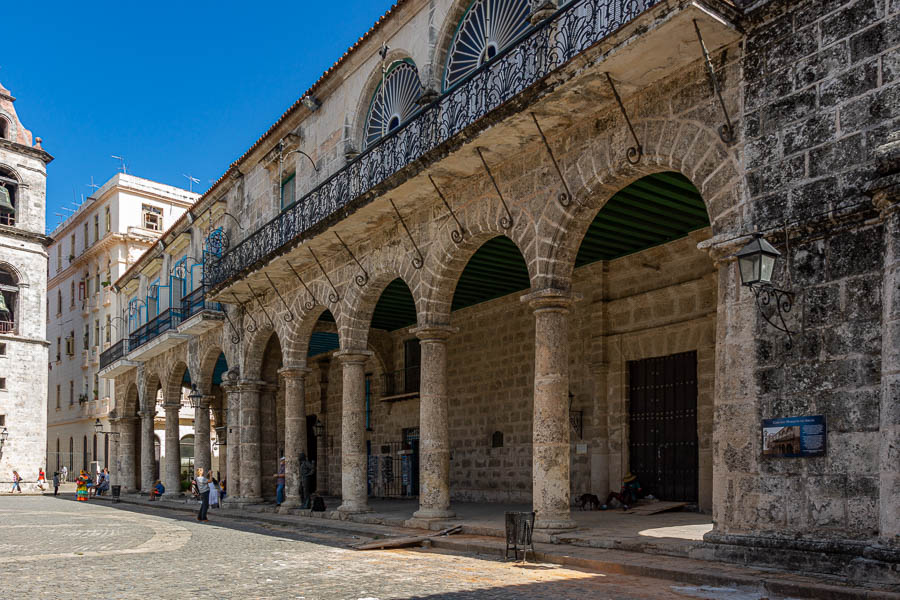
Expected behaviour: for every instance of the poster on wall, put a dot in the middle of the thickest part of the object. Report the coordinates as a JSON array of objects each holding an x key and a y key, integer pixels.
[{"x": 794, "y": 437}]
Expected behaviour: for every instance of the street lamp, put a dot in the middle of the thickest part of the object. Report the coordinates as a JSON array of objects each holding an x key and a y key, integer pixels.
[
  {"x": 319, "y": 428},
  {"x": 195, "y": 397},
  {"x": 756, "y": 264},
  {"x": 98, "y": 428}
]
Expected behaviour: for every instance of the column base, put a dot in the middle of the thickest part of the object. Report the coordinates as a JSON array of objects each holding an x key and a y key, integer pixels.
[
  {"x": 434, "y": 513},
  {"x": 554, "y": 523},
  {"x": 288, "y": 504},
  {"x": 243, "y": 501},
  {"x": 353, "y": 508}
]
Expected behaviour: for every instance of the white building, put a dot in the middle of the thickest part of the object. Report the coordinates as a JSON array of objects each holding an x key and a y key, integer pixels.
[
  {"x": 23, "y": 285},
  {"x": 89, "y": 252}
]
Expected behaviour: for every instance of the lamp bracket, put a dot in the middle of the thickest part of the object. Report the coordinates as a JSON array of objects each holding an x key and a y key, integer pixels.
[
  {"x": 634, "y": 153},
  {"x": 457, "y": 234},
  {"x": 363, "y": 278},
  {"x": 416, "y": 262},
  {"x": 766, "y": 294},
  {"x": 564, "y": 198},
  {"x": 507, "y": 221}
]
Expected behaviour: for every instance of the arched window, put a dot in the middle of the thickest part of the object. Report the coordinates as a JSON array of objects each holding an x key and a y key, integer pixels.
[
  {"x": 395, "y": 100},
  {"x": 106, "y": 451},
  {"x": 84, "y": 455},
  {"x": 58, "y": 464},
  {"x": 9, "y": 296},
  {"x": 487, "y": 27},
  {"x": 71, "y": 454},
  {"x": 9, "y": 188},
  {"x": 4, "y": 128}
]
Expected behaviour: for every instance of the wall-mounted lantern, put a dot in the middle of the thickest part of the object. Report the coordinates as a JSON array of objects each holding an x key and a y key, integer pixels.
[
  {"x": 195, "y": 397},
  {"x": 319, "y": 428},
  {"x": 98, "y": 428},
  {"x": 756, "y": 263}
]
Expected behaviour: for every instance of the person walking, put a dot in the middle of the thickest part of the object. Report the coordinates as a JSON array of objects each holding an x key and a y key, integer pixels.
[
  {"x": 65, "y": 474},
  {"x": 42, "y": 478},
  {"x": 15, "y": 483},
  {"x": 279, "y": 489},
  {"x": 307, "y": 473},
  {"x": 55, "y": 483},
  {"x": 202, "y": 489}
]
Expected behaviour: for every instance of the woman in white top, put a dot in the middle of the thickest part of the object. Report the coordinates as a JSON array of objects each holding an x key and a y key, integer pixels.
[{"x": 214, "y": 494}]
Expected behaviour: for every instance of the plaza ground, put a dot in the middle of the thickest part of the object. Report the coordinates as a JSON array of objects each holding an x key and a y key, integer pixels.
[{"x": 57, "y": 548}]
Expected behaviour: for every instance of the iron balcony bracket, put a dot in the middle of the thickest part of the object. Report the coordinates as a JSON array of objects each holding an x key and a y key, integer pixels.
[
  {"x": 249, "y": 328},
  {"x": 309, "y": 304},
  {"x": 363, "y": 279},
  {"x": 260, "y": 302},
  {"x": 634, "y": 153},
  {"x": 766, "y": 294},
  {"x": 564, "y": 198},
  {"x": 334, "y": 297},
  {"x": 235, "y": 334},
  {"x": 289, "y": 315},
  {"x": 416, "y": 262},
  {"x": 457, "y": 234},
  {"x": 726, "y": 131},
  {"x": 507, "y": 221}
]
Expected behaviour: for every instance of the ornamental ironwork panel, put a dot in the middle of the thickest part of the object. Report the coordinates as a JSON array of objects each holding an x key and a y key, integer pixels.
[
  {"x": 537, "y": 53},
  {"x": 112, "y": 354}
]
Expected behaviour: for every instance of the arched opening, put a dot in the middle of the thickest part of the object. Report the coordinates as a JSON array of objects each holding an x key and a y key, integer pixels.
[
  {"x": 9, "y": 298},
  {"x": 655, "y": 340},
  {"x": 105, "y": 451},
  {"x": 323, "y": 342},
  {"x": 486, "y": 28},
  {"x": 71, "y": 461},
  {"x": 85, "y": 457},
  {"x": 394, "y": 101},
  {"x": 178, "y": 424},
  {"x": 9, "y": 189},
  {"x": 490, "y": 364},
  {"x": 271, "y": 415},
  {"x": 4, "y": 128},
  {"x": 130, "y": 455},
  {"x": 157, "y": 456},
  {"x": 186, "y": 445}
]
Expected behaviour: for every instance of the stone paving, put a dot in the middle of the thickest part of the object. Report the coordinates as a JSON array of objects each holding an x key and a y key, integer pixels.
[{"x": 57, "y": 548}]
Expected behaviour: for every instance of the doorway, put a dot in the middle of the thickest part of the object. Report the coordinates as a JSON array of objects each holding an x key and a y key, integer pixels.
[{"x": 663, "y": 425}]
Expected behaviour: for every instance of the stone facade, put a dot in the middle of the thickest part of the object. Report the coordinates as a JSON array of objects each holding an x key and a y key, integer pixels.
[
  {"x": 23, "y": 282},
  {"x": 808, "y": 105}
]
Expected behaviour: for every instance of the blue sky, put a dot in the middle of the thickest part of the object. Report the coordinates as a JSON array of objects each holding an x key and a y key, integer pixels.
[{"x": 175, "y": 87}]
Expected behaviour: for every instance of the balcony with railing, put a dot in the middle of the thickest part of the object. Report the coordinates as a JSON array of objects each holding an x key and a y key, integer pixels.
[
  {"x": 7, "y": 327},
  {"x": 520, "y": 72},
  {"x": 113, "y": 353},
  {"x": 197, "y": 313}
]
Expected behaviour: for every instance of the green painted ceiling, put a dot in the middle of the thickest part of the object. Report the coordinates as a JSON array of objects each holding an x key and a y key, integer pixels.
[{"x": 649, "y": 212}]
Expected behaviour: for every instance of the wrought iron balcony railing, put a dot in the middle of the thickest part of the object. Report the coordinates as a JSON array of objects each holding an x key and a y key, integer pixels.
[
  {"x": 402, "y": 382},
  {"x": 113, "y": 353},
  {"x": 195, "y": 302},
  {"x": 165, "y": 321},
  {"x": 544, "y": 49}
]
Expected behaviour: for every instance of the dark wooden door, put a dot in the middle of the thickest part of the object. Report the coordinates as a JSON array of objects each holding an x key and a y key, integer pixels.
[{"x": 663, "y": 425}]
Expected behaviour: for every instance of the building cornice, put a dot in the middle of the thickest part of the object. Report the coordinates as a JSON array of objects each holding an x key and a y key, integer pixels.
[
  {"x": 38, "y": 238},
  {"x": 38, "y": 153},
  {"x": 106, "y": 243}
]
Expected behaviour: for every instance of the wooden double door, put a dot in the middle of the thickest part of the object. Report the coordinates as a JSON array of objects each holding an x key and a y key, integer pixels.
[{"x": 663, "y": 425}]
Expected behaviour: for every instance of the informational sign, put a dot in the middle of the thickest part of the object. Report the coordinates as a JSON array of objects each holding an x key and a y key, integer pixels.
[{"x": 794, "y": 437}]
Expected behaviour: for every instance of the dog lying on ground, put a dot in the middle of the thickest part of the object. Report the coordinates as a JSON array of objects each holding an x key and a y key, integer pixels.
[{"x": 586, "y": 500}]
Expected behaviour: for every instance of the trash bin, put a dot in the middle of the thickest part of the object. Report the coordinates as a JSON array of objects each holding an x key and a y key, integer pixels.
[
  {"x": 519, "y": 529},
  {"x": 116, "y": 492}
]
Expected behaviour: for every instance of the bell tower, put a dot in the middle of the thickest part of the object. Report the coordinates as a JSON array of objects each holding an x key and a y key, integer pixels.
[{"x": 23, "y": 294}]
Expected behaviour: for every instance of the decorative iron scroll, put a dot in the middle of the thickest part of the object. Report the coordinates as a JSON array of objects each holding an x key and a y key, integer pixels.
[
  {"x": 726, "y": 131},
  {"x": 768, "y": 295},
  {"x": 545, "y": 48},
  {"x": 419, "y": 262},
  {"x": 507, "y": 221},
  {"x": 635, "y": 152},
  {"x": 458, "y": 233},
  {"x": 309, "y": 304},
  {"x": 288, "y": 315},
  {"x": 564, "y": 198},
  {"x": 333, "y": 297}
]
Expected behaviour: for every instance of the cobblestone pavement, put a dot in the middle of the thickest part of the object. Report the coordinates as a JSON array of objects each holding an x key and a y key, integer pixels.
[{"x": 57, "y": 548}]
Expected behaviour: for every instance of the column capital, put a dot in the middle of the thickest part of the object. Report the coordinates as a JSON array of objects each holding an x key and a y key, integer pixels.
[
  {"x": 172, "y": 406},
  {"x": 294, "y": 372},
  {"x": 433, "y": 333},
  {"x": 147, "y": 414},
  {"x": 353, "y": 356},
  {"x": 550, "y": 299}
]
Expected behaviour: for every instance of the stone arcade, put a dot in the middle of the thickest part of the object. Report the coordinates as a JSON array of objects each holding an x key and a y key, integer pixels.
[{"x": 498, "y": 267}]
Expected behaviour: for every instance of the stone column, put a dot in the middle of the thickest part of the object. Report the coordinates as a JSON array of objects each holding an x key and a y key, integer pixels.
[
  {"x": 434, "y": 425},
  {"x": 115, "y": 468},
  {"x": 550, "y": 426},
  {"x": 250, "y": 475},
  {"x": 127, "y": 458},
  {"x": 202, "y": 450},
  {"x": 173, "y": 449},
  {"x": 354, "y": 496},
  {"x": 148, "y": 454},
  {"x": 294, "y": 431},
  {"x": 233, "y": 459},
  {"x": 886, "y": 197}
]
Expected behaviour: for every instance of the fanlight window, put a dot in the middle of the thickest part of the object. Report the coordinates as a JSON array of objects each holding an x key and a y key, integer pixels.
[
  {"x": 9, "y": 294},
  {"x": 488, "y": 27},
  {"x": 394, "y": 102}
]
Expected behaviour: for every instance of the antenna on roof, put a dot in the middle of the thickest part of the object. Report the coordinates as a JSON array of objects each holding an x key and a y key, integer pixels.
[
  {"x": 124, "y": 167},
  {"x": 191, "y": 181},
  {"x": 93, "y": 185}
]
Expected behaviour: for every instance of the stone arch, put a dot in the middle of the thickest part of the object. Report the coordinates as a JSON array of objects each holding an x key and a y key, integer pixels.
[
  {"x": 172, "y": 390},
  {"x": 207, "y": 368},
  {"x": 12, "y": 132},
  {"x": 450, "y": 260},
  {"x": 151, "y": 387},
  {"x": 130, "y": 403},
  {"x": 438, "y": 59},
  {"x": 360, "y": 302},
  {"x": 255, "y": 349},
  {"x": 356, "y": 132},
  {"x": 296, "y": 343},
  {"x": 16, "y": 273},
  {"x": 686, "y": 147}
]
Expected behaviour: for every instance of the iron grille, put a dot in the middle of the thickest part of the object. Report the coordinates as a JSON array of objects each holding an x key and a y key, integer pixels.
[
  {"x": 404, "y": 381},
  {"x": 113, "y": 353},
  {"x": 547, "y": 47},
  {"x": 166, "y": 321}
]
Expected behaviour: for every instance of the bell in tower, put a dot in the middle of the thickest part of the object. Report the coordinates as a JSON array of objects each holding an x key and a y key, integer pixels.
[{"x": 5, "y": 202}]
